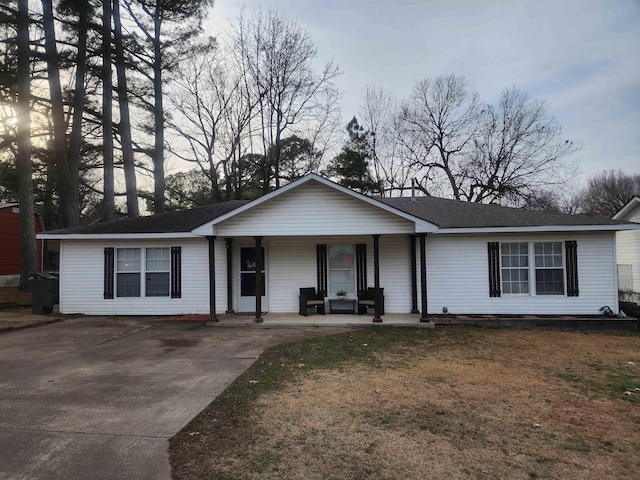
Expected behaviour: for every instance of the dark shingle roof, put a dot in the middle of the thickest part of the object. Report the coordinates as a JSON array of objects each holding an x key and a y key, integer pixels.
[
  {"x": 169, "y": 222},
  {"x": 446, "y": 213}
]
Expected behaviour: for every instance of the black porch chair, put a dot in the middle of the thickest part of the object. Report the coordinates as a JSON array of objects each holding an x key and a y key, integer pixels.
[
  {"x": 310, "y": 299},
  {"x": 367, "y": 299}
]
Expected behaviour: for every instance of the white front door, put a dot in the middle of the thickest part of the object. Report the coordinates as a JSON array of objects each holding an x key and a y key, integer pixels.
[{"x": 247, "y": 280}]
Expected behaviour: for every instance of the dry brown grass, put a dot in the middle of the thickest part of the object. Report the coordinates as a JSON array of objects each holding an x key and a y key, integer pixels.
[{"x": 499, "y": 404}]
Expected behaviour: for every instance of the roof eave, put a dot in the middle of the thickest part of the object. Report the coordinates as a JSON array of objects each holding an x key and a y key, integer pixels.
[
  {"x": 113, "y": 236},
  {"x": 627, "y": 208},
  {"x": 540, "y": 228}
]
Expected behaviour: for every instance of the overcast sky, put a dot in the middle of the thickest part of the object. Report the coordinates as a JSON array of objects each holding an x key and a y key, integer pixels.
[{"x": 582, "y": 56}]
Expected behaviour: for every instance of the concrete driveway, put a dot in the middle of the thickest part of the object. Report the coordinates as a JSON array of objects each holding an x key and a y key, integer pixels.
[{"x": 98, "y": 398}]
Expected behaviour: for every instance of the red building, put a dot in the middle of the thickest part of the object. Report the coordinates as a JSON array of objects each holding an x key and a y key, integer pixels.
[{"x": 10, "y": 257}]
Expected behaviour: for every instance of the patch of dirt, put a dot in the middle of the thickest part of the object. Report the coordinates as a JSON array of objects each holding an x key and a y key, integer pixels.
[
  {"x": 13, "y": 295},
  {"x": 502, "y": 404}
]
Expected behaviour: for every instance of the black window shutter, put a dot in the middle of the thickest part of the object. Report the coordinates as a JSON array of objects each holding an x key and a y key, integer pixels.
[
  {"x": 321, "y": 260},
  {"x": 571, "y": 251},
  {"x": 361, "y": 266},
  {"x": 494, "y": 269},
  {"x": 108, "y": 272},
  {"x": 176, "y": 272}
]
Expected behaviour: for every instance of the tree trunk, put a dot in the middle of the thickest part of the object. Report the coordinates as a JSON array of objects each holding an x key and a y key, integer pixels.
[
  {"x": 125, "y": 121},
  {"x": 158, "y": 114},
  {"x": 23, "y": 159},
  {"x": 78, "y": 111},
  {"x": 108, "y": 204},
  {"x": 57, "y": 114}
]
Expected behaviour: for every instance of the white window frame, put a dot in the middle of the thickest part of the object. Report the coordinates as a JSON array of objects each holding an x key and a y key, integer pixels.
[
  {"x": 332, "y": 290},
  {"x": 167, "y": 271},
  {"x": 562, "y": 267},
  {"x": 519, "y": 268},
  {"x": 119, "y": 272},
  {"x": 142, "y": 271},
  {"x": 532, "y": 269}
]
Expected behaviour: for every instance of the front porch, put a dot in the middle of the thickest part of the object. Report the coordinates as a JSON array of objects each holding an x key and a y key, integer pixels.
[{"x": 280, "y": 320}]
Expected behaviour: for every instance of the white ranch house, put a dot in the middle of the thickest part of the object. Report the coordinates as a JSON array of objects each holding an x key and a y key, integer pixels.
[{"x": 430, "y": 255}]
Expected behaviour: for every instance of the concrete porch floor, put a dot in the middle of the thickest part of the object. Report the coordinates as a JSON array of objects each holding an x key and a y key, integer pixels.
[{"x": 280, "y": 320}]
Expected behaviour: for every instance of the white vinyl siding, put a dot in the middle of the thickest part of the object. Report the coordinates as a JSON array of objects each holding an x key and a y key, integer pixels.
[
  {"x": 314, "y": 209},
  {"x": 457, "y": 276},
  {"x": 82, "y": 279},
  {"x": 457, "y": 273},
  {"x": 292, "y": 264}
]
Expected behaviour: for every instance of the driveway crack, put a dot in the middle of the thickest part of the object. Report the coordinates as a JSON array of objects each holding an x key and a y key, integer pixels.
[
  {"x": 125, "y": 334},
  {"x": 79, "y": 432}
]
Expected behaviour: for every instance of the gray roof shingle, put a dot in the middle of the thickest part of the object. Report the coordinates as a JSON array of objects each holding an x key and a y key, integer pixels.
[
  {"x": 446, "y": 213},
  {"x": 169, "y": 222}
]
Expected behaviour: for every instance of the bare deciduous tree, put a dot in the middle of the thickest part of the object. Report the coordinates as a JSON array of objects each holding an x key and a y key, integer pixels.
[
  {"x": 378, "y": 114},
  {"x": 278, "y": 56},
  {"x": 210, "y": 113},
  {"x": 517, "y": 149},
  {"x": 479, "y": 153},
  {"x": 607, "y": 192},
  {"x": 439, "y": 121}
]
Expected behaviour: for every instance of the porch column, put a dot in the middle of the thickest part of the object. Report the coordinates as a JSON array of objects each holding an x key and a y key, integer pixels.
[
  {"x": 423, "y": 278},
  {"x": 212, "y": 279},
  {"x": 376, "y": 277},
  {"x": 229, "y": 242},
  {"x": 259, "y": 285},
  {"x": 414, "y": 283}
]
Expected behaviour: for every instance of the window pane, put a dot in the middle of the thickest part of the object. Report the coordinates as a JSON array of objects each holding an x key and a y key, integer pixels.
[
  {"x": 128, "y": 284},
  {"x": 248, "y": 284},
  {"x": 248, "y": 259},
  {"x": 515, "y": 267},
  {"x": 341, "y": 269},
  {"x": 157, "y": 284},
  {"x": 549, "y": 271},
  {"x": 157, "y": 260},
  {"x": 549, "y": 282},
  {"x": 128, "y": 260}
]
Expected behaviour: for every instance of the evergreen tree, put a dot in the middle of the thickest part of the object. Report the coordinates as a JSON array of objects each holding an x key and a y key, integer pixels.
[{"x": 350, "y": 168}]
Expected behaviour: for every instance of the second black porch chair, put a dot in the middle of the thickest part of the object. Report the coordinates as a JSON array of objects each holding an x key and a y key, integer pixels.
[
  {"x": 367, "y": 299},
  {"x": 310, "y": 299}
]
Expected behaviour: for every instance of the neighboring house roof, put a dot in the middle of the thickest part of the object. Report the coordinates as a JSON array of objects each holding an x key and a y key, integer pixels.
[
  {"x": 430, "y": 214},
  {"x": 625, "y": 212},
  {"x": 5, "y": 205},
  {"x": 448, "y": 213}
]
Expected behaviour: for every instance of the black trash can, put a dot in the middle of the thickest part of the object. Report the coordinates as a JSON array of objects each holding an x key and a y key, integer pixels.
[{"x": 44, "y": 292}]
